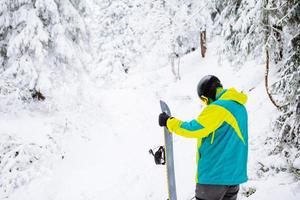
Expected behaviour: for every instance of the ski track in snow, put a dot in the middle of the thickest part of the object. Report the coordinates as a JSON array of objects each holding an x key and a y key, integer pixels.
[{"x": 106, "y": 142}]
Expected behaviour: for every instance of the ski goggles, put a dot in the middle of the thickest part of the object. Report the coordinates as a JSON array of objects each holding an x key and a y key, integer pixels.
[{"x": 204, "y": 99}]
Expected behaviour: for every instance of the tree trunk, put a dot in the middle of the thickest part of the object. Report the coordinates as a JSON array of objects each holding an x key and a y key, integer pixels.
[
  {"x": 203, "y": 43},
  {"x": 277, "y": 31}
]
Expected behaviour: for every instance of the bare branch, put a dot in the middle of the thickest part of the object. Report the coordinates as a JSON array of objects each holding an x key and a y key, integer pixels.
[{"x": 267, "y": 82}]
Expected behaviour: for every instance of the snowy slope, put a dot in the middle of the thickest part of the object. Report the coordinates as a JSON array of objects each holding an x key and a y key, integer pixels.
[{"x": 105, "y": 139}]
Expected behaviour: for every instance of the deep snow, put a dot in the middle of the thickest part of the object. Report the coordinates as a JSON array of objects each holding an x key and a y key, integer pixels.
[{"x": 105, "y": 138}]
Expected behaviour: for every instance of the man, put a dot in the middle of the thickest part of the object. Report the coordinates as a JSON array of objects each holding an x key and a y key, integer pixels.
[{"x": 222, "y": 133}]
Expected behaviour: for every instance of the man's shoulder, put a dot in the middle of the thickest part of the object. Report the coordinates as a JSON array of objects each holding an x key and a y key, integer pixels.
[{"x": 229, "y": 104}]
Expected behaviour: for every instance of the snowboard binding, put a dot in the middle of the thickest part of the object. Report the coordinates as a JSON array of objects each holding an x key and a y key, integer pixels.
[{"x": 159, "y": 155}]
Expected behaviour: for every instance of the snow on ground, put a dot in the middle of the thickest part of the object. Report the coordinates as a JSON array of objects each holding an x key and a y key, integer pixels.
[{"x": 105, "y": 139}]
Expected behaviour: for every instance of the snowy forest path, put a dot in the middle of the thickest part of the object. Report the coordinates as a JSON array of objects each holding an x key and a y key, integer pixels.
[{"x": 106, "y": 151}]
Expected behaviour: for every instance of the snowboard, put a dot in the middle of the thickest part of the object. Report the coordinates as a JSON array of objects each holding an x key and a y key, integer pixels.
[{"x": 169, "y": 156}]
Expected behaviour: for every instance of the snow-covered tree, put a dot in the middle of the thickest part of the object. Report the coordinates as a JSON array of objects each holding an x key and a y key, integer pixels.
[
  {"x": 252, "y": 28},
  {"x": 114, "y": 36},
  {"x": 288, "y": 85},
  {"x": 239, "y": 23},
  {"x": 44, "y": 52},
  {"x": 129, "y": 30},
  {"x": 42, "y": 45}
]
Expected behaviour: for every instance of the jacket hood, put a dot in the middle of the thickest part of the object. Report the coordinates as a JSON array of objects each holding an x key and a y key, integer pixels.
[{"x": 234, "y": 95}]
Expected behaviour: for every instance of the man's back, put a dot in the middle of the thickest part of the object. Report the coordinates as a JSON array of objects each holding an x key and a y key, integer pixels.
[
  {"x": 222, "y": 133},
  {"x": 223, "y": 154}
]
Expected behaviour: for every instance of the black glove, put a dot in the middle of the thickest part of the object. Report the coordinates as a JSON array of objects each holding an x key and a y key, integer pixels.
[{"x": 162, "y": 119}]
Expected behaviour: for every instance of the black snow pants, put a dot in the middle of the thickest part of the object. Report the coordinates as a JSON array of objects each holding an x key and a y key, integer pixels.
[{"x": 216, "y": 192}]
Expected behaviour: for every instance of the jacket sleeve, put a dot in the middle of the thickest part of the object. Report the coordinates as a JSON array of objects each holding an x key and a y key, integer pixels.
[{"x": 210, "y": 119}]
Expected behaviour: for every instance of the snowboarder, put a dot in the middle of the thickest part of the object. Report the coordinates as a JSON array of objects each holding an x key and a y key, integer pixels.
[{"x": 222, "y": 133}]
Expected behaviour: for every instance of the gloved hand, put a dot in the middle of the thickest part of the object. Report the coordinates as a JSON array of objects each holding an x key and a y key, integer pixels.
[{"x": 162, "y": 119}]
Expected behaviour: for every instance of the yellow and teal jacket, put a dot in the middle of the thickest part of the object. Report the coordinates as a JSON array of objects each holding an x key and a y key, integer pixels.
[{"x": 222, "y": 133}]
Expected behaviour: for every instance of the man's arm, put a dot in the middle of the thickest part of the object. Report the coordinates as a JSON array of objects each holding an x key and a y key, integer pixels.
[{"x": 208, "y": 121}]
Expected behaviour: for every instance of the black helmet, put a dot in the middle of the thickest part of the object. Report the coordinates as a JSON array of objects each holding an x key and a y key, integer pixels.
[{"x": 208, "y": 85}]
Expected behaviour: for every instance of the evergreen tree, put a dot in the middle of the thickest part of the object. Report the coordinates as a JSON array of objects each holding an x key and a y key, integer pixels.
[
  {"x": 239, "y": 23},
  {"x": 288, "y": 85},
  {"x": 251, "y": 28},
  {"x": 39, "y": 42},
  {"x": 123, "y": 38}
]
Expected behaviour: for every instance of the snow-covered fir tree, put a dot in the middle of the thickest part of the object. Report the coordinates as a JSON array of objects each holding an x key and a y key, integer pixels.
[
  {"x": 44, "y": 48},
  {"x": 128, "y": 30},
  {"x": 239, "y": 24},
  {"x": 251, "y": 29},
  {"x": 42, "y": 43},
  {"x": 286, "y": 57}
]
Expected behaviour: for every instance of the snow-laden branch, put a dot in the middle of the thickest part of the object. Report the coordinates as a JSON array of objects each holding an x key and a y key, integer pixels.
[{"x": 274, "y": 8}]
